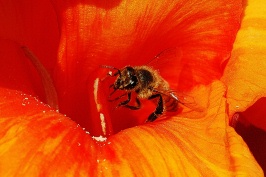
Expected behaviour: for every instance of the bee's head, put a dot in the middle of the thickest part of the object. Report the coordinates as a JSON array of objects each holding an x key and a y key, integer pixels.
[{"x": 127, "y": 79}]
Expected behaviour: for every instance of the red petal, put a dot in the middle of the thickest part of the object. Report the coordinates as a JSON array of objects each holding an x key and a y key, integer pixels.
[
  {"x": 129, "y": 32},
  {"x": 17, "y": 72},
  {"x": 32, "y": 24}
]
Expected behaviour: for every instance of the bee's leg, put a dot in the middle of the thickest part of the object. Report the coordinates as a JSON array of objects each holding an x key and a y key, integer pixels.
[
  {"x": 112, "y": 86},
  {"x": 115, "y": 89},
  {"x": 159, "y": 109},
  {"x": 124, "y": 103},
  {"x": 117, "y": 98},
  {"x": 134, "y": 107}
]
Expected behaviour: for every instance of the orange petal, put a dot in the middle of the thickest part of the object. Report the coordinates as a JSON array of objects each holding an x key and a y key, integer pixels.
[
  {"x": 33, "y": 134},
  {"x": 245, "y": 74},
  {"x": 36, "y": 141}
]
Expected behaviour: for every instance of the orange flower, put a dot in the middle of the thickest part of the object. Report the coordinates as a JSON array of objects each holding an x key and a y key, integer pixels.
[
  {"x": 36, "y": 140},
  {"x": 245, "y": 77}
]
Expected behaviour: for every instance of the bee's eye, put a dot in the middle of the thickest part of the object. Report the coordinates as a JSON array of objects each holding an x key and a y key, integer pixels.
[{"x": 118, "y": 83}]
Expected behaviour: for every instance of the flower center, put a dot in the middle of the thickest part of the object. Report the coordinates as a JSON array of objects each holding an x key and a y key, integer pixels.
[{"x": 106, "y": 115}]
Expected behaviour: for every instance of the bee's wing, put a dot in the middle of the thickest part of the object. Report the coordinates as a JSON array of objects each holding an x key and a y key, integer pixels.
[
  {"x": 186, "y": 100},
  {"x": 168, "y": 58},
  {"x": 169, "y": 65},
  {"x": 183, "y": 98}
]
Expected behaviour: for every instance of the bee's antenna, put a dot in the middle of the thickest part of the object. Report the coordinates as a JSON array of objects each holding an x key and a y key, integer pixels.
[{"x": 111, "y": 67}]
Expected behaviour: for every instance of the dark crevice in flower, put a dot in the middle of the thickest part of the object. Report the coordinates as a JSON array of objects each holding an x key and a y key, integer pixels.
[
  {"x": 250, "y": 125},
  {"x": 255, "y": 139},
  {"x": 50, "y": 91}
]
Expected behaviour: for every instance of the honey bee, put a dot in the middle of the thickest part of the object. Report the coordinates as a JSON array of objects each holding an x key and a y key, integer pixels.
[{"x": 147, "y": 83}]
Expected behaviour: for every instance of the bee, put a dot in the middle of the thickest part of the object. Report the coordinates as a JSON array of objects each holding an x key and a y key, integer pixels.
[{"x": 147, "y": 83}]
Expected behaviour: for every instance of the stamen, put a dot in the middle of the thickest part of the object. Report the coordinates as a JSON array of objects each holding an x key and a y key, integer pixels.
[{"x": 49, "y": 89}]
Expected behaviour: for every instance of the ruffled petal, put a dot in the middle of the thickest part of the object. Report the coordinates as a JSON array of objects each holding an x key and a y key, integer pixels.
[
  {"x": 245, "y": 74},
  {"x": 245, "y": 78},
  {"x": 38, "y": 141}
]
